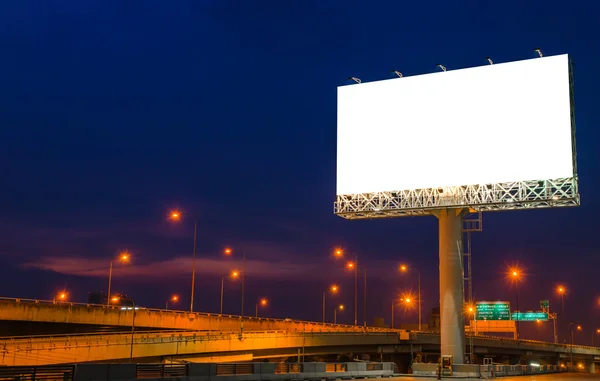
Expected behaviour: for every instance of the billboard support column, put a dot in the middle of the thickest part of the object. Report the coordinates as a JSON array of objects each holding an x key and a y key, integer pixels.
[{"x": 452, "y": 328}]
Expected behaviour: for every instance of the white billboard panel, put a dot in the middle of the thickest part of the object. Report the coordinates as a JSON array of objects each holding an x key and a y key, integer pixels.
[{"x": 491, "y": 124}]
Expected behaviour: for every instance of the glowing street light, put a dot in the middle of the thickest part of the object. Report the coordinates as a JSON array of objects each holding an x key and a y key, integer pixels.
[
  {"x": 338, "y": 308},
  {"x": 227, "y": 252},
  {"x": 263, "y": 303},
  {"x": 404, "y": 268},
  {"x": 173, "y": 299},
  {"x": 62, "y": 296},
  {"x": 561, "y": 291},
  {"x": 123, "y": 257},
  {"x": 338, "y": 253},
  {"x": 515, "y": 275},
  {"x": 176, "y": 215},
  {"x": 334, "y": 288}
]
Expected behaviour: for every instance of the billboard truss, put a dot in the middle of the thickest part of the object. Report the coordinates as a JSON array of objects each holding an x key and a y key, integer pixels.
[{"x": 479, "y": 198}]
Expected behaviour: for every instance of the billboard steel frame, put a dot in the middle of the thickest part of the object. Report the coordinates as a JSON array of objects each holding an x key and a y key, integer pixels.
[{"x": 516, "y": 195}]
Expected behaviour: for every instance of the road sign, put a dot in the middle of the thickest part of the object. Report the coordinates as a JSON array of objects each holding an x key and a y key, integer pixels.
[
  {"x": 529, "y": 316},
  {"x": 492, "y": 311},
  {"x": 544, "y": 304}
]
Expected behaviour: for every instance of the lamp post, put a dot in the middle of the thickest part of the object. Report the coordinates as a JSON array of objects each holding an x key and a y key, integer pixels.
[
  {"x": 173, "y": 299},
  {"x": 405, "y": 268},
  {"x": 176, "y": 216},
  {"x": 571, "y": 324},
  {"x": 116, "y": 300},
  {"x": 341, "y": 308},
  {"x": 123, "y": 258},
  {"x": 515, "y": 275},
  {"x": 227, "y": 252},
  {"x": 333, "y": 289},
  {"x": 561, "y": 291},
  {"x": 263, "y": 303},
  {"x": 597, "y": 332},
  {"x": 472, "y": 311}
]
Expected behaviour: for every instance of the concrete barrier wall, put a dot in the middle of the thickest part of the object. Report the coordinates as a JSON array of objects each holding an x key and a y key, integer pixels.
[
  {"x": 149, "y": 318},
  {"x": 477, "y": 371},
  {"x": 208, "y": 372},
  {"x": 89, "y": 348}
]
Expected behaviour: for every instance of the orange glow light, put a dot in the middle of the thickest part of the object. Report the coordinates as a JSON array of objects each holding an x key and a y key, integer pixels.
[
  {"x": 579, "y": 328},
  {"x": 341, "y": 307},
  {"x": 407, "y": 300},
  {"x": 235, "y": 274},
  {"x": 338, "y": 253},
  {"x": 62, "y": 295},
  {"x": 334, "y": 288},
  {"x": 403, "y": 268},
  {"x": 175, "y": 215},
  {"x": 124, "y": 256},
  {"x": 174, "y": 298},
  {"x": 515, "y": 274},
  {"x": 560, "y": 289},
  {"x": 264, "y": 302},
  {"x": 350, "y": 265},
  {"x": 115, "y": 299},
  {"x": 227, "y": 251}
]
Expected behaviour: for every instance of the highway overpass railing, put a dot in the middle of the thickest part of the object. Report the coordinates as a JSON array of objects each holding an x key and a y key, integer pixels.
[{"x": 200, "y": 371}]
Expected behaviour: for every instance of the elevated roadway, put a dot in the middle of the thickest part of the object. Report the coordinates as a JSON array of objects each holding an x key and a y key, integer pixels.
[
  {"x": 197, "y": 346},
  {"x": 93, "y": 315}
]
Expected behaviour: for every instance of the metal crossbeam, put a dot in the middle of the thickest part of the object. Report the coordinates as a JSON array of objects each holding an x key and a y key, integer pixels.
[{"x": 516, "y": 195}]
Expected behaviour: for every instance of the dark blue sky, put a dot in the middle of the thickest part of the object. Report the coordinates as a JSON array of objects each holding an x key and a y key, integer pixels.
[{"x": 113, "y": 113}]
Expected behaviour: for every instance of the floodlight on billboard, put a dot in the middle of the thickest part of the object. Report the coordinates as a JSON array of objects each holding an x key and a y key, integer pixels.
[{"x": 493, "y": 137}]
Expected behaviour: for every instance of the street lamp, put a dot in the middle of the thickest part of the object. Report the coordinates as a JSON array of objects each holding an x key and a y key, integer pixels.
[
  {"x": 515, "y": 274},
  {"x": 341, "y": 308},
  {"x": 333, "y": 289},
  {"x": 173, "y": 299},
  {"x": 263, "y": 303},
  {"x": 116, "y": 300},
  {"x": 227, "y": 252},
  {"x": 405, "y": 268},
  {"x": 242, "y": 273},
  {"x": 124, "y": 257},
  {"x": 471, "y": 310},
  {"x": 176, "y": 216}
]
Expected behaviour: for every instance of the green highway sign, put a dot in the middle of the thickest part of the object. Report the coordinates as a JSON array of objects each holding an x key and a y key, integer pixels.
[
  {"x": 492, "y": 311},
  {"x": 529, "y": 316},
  {"x": 544, "y": 304}
]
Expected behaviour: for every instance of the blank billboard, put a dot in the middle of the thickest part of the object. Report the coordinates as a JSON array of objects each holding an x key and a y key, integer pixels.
[{"x": 484, "y": 125}]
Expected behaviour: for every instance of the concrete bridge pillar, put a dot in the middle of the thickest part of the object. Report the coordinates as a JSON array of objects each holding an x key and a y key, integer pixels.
[
  {"x": 452, "y": 327},
  {"x": 590, "y": 366}
]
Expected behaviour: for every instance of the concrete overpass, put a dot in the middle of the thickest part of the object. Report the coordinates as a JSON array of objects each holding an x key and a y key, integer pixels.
[
  {"x": 197, "y": 346},
  {"x": 190, "y": 345},
  {"x": 93, "y": 315}
]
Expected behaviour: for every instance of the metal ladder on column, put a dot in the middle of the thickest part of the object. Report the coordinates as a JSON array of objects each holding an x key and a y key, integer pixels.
[{"x": 471, "y": 223}]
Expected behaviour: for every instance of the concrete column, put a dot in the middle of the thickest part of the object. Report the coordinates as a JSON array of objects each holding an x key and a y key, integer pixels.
[
  {"x": 452, "y": 328},
  {"x": 591, "y": 366}
]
